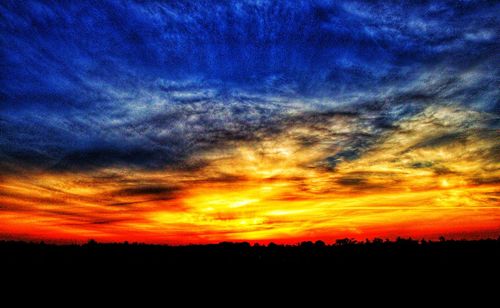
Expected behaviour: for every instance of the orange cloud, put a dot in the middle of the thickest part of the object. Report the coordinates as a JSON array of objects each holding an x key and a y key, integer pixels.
[{"x": 430, "y": 176}]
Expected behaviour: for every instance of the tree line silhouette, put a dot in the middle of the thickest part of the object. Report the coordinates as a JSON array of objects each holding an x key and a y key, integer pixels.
[
  {"x": 338, "y": 267},
  {"x": 369, "y": 253}
]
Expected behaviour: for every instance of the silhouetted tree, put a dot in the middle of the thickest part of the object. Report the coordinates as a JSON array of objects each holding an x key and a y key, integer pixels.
[
  {"x": 319, "y": 244},
  {"x": 345, "y": 241},
  {"x": 306, "y": 244}
]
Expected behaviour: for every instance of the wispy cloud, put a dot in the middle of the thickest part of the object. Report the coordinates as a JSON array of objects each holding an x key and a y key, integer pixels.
[{"x": 217, "y": 120}]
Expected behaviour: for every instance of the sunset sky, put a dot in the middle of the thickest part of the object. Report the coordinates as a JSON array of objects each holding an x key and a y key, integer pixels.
[{"x": 205, "y": 121}]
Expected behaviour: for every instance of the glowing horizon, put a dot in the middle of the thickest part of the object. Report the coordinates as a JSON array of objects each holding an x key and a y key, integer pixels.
[{"x": 161, "y": 131}]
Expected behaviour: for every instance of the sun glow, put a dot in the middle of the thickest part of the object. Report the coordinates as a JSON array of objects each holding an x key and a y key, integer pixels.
[{"x": 275, "y": 190}]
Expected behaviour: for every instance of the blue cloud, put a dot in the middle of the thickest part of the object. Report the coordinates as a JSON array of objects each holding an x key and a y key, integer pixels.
[{"x": 180, "y": 77}]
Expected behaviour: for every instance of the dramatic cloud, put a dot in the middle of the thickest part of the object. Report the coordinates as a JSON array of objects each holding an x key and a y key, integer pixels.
[{"x": 205, "y": 120}]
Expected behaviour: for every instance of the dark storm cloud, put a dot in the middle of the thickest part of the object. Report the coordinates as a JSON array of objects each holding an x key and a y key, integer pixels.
[
  {"x": 146, "y": 190},
  {"x": 421, "y": 164},
  {"x": 102, "y": 157},
  {"x": 349, "y": 181},
  {"x": 87, "y": 85},
  {"x": 129, "y": 203}
]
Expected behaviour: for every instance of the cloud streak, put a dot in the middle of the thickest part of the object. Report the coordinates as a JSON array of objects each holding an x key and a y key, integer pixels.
[{"x": 256, "y": 120}]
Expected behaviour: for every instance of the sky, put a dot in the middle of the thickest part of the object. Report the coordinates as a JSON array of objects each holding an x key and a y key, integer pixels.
[{"x": 205, "y": 121}]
